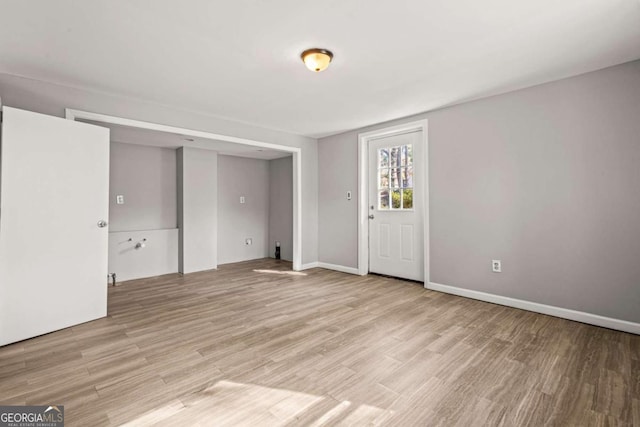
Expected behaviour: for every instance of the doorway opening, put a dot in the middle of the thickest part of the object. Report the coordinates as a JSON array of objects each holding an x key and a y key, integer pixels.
[{"x": 177, "y": 137}]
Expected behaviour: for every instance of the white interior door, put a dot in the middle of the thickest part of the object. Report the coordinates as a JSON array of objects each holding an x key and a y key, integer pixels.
[
  {"x": 396, "y": 236},
  {"x": 53, "y": 254}
]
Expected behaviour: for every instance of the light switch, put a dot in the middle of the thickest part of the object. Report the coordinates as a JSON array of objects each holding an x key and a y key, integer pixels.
[
  {"x": 241, "y": 199},
  {"x": 120, "y": 199},
  {"x": 348, "y": 195}
]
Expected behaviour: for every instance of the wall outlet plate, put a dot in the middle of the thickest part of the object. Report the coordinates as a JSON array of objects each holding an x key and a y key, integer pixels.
[
  {"x": 242, "y": 200},
  {"x": 248, "y": 241},
  {"x": 120, "y": 199},
  {"x": 348, "y": 195},
  {"x": 496, "y": 266}
]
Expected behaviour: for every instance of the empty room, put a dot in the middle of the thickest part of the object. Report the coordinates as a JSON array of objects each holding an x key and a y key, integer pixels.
[{"x": 296, "y": 213}]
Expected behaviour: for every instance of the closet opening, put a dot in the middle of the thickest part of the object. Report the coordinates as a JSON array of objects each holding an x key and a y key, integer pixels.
[{"x": 186, "y": 201}]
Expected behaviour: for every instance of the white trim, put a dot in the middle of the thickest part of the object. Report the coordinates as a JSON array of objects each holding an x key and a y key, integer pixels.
[
  {"x": 309, "y": 265},
  {"x": 341, "y": 268},
  {"x": 72, "y": 114},
  {"x": 363, "y": 194},
  {"x": 334, "y": 267},
  {"x": 565, "y": 313},
  {"x": 297, "y": 209}
]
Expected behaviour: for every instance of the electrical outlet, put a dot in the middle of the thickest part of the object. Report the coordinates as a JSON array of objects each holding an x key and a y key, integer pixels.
[
  {"x": 348, "y": 195},
  {"x": 496, "y": 266},
  {"x": 248, "y": 241},
  {"x": 241, "y": 199},
  {"x": 120, "y": 199}
]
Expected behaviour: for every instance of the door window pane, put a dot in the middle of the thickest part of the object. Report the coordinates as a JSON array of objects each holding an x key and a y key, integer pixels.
[
  {"x": 395, "y": 156},
  {"x": 407, "y": 155},
  {"x": 383, "y": 157},
  {"x": 396, "y": 199},
  {"x": 384, "y": 199},
  {"x": 407, "y": 177},
  {"x": 395, "y": 177},
  {"x": 383, "y": 182},
  {"x": 407, "y": 198}
]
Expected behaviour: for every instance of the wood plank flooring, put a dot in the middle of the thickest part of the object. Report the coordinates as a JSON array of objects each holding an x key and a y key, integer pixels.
[{"x": 242, "y": 347}]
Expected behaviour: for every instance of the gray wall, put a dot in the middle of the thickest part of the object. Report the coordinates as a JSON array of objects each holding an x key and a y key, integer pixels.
[
  {"x": 337, "y": 216},
  {"x": 49, "y": 98},
  {"x": 544, "y": 179},
  {"x": 158, "y": 256},
  {"x": 238, "y": 176},
  {"x": 146, "y": 177},
  {"x": 281, "y": 207},
  {"x": 197, "y": 209}
]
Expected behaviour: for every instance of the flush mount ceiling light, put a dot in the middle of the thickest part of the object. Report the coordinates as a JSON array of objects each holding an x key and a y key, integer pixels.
[{"x": 316, "y": 59}]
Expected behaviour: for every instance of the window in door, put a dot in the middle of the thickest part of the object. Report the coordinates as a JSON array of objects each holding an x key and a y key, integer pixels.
[{"x": 395, "y": 178}]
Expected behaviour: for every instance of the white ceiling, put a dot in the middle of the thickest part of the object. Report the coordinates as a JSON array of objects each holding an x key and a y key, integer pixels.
[
  {"x": 239, "y": 59},
  {"x": 131, "y": 135}
]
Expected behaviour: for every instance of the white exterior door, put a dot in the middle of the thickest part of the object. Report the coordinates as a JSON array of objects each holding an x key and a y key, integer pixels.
[
  {"x": 53, "y": 253},
  {"x": 396, "y": 233}
]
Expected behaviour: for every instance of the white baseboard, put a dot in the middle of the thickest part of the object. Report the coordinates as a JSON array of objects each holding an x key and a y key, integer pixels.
[
  {"x": 341, "y": 268},
  {"x": 309, "y": 265},
  {"x": 565, "y": 313},
  {"x": 334, "y": 267}
]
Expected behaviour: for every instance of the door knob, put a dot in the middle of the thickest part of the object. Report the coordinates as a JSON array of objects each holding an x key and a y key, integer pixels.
[
  {"x": 102, "y": 223},
  {"x": 371, "y": 216}
]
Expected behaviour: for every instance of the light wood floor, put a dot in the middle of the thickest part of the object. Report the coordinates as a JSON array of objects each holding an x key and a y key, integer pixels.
[{"x": 239, "y": 347}]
